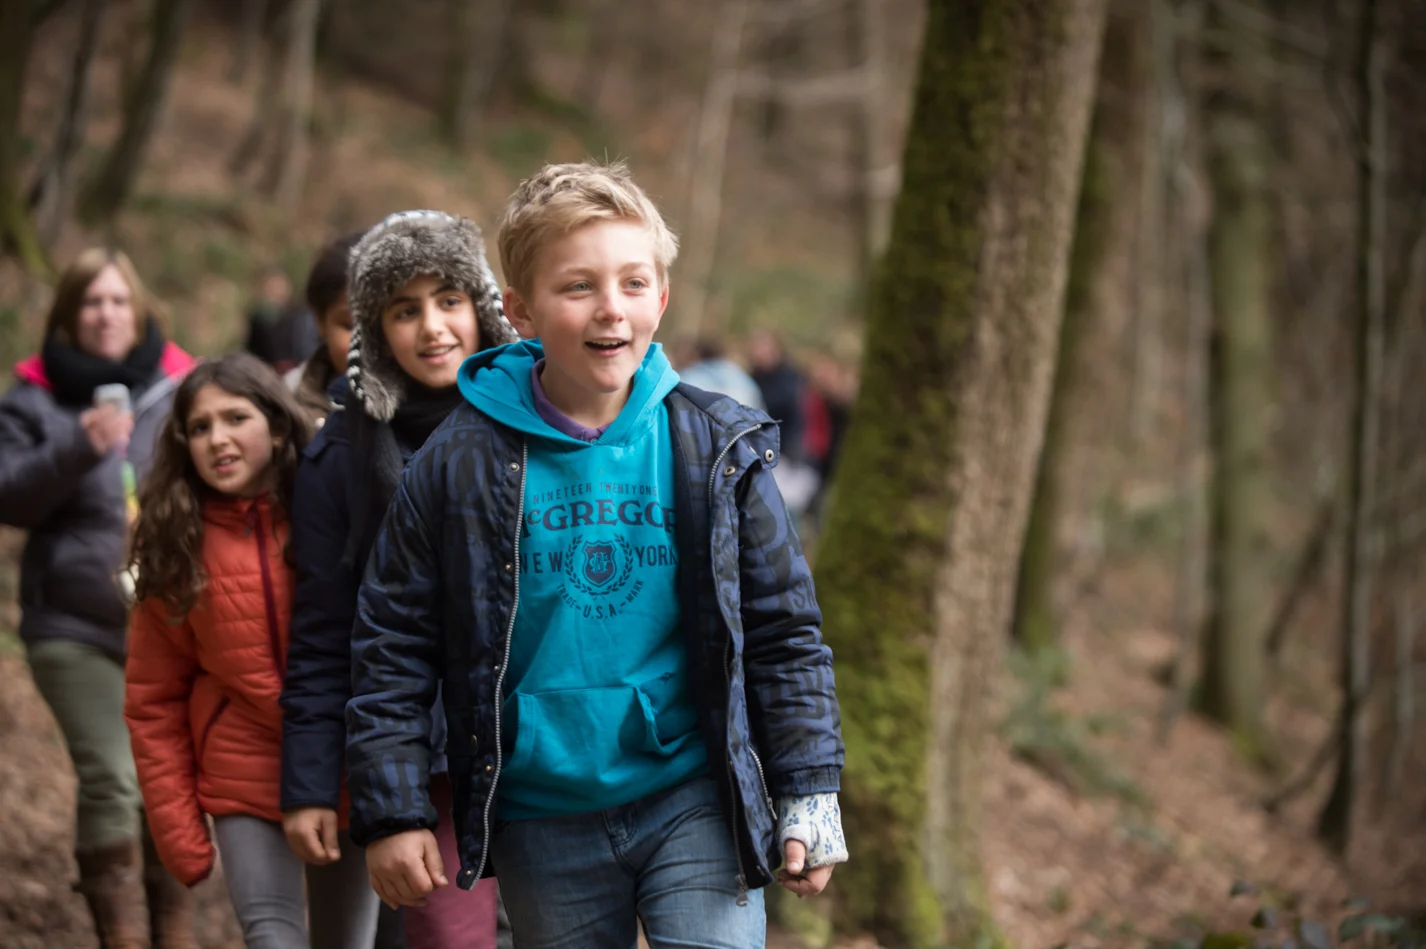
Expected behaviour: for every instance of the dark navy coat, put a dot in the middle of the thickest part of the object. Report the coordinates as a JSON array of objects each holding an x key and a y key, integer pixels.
[
  {"x": 318, "y": 682},
  {"x": 438, "y": 603}
]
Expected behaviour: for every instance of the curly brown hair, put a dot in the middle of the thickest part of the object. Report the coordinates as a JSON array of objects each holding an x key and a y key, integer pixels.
[{"x": 167, "y": 550}]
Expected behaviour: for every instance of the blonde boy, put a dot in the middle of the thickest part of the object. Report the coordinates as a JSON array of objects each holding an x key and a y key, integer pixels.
[{"x": 595, "y": 562}]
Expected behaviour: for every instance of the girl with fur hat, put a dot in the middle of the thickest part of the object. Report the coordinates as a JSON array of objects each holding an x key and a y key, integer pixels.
[{"x": 422, "y": 298}]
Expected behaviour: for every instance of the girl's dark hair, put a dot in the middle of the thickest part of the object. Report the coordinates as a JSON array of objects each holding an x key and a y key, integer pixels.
[
  {"x": 167, "y": 551},
  {"x": 328, "y": 279}
]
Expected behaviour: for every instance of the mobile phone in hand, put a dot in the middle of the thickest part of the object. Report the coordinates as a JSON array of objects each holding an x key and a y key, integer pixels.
[{"x": 115, "y": 394}]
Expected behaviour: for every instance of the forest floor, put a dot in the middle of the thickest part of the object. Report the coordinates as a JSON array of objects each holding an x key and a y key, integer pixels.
[{"x": 1096, "y": 834}]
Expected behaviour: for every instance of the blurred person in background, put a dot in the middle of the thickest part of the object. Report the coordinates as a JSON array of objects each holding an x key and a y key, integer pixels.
[
  {"x": 827, "y": 408},
  {"x": 68, "y": 472},
  {"x": 781, "y": 386},
  {"x": 280, "y": 332},
  {"x": 705, "y": 364},
  {"x": 783, "y": 394},
  {"x": 327, "y": 300}
]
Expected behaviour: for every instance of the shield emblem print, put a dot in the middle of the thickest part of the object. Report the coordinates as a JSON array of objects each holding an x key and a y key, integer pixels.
[{"x": 599, "y": 563}]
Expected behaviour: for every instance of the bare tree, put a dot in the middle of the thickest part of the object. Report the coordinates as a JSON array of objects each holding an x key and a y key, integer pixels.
[
  {"x": 17, "y": 233},
  {"x": 869, "y": 204},
  {"x": 110, "y": 189},
  {"x": 705, "y": 199},
  {"x": 1240, "y": 247},
  {"x": 49, "y": 195},
  {"x": 916, "y": 569},
  {"x": 1334, "y": 823},
  {"x": 291, "y": 160},
  {"x": 473, "y": 60},
  {"x": 254, "y": 14}
]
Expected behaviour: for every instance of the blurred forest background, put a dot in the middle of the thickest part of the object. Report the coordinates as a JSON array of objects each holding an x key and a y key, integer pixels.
[{"x": 1123, "y": 565}]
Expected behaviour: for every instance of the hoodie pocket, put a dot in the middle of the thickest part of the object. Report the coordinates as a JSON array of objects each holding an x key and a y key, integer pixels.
[
  {"x": 670, "y": 718},
  {"x": 574, "y": 735}
]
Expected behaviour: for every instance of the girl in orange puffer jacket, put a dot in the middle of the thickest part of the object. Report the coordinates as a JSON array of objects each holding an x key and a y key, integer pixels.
[{"x": 207, "y": 650}]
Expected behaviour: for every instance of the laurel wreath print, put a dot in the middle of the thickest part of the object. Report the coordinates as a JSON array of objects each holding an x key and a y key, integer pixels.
[{"x": 574, "y": 566}]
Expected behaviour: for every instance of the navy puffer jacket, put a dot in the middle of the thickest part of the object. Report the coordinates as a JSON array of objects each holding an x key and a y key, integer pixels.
[
  {"x": 318, "y": 682},
  {"x": 440, "y": 591}
]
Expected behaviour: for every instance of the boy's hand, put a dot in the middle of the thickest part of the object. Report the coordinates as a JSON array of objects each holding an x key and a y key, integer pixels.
[
  {"x": 312, "y": 834},
  {"x": 405, "y": 868},
  {"x": 793, "y": 877}
]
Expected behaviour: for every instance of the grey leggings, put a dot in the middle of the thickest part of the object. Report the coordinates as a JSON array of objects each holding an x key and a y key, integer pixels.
[{"x": 265, "y": 881}]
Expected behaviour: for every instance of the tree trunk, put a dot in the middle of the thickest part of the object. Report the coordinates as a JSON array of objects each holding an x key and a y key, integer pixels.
[
  {"x": 1334, "y": 823},
  {"x": 1184, "y": 260},
  {"x": 705, "y": 202},
  {"x": 264, "y": 108},
  {"x": 17, "y": 234},
  {"x": 49, "y": 196},
  {"x": 474, "y": 59},
  {"x": 916, "y": 570},
  {"x": 291, "y": 160},
  {"x": 1035, "y": 620},
  {"x": 863, "y": 21},
  {"x": 115, "y": 180},
  {"x": 1240, "y": 367}
]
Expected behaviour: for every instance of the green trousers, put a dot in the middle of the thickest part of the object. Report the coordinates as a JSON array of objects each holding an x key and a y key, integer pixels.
[{"x": 84, "y": 688}]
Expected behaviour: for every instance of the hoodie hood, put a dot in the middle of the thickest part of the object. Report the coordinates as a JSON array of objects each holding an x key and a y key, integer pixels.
[
  {"x": 497, "y": 381},
  {"x": 406, "y": 245}
]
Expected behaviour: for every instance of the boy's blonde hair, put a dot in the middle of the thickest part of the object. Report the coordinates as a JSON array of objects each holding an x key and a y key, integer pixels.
[{"x": 559, "y": 199}]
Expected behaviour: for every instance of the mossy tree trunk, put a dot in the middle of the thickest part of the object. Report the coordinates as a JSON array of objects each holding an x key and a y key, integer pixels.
[
  {"x": 111, "y": 187},
  {"x": 916, "y": 570},
  {"x": 1240, "y": 390},
  {"x": 17, "y": 233}
]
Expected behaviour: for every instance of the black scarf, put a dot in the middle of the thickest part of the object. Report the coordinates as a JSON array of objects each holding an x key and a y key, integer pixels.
[
  {"x": 379, "y": 457},
  {"x": 75, "y": 374}
]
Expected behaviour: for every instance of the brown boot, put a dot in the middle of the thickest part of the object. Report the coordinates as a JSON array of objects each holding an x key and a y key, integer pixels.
[
  {"x": 171, "y": 904},
  {"x": 111, "y": 880}
]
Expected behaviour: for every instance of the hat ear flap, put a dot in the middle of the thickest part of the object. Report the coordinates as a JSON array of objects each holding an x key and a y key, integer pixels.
[{"x": 376, "y": 398}]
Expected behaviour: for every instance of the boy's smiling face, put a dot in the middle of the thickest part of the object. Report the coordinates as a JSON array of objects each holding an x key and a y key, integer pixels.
[{"x": 594, "y": 302}]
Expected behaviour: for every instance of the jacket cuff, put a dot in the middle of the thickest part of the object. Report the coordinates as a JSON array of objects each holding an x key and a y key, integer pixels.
[
  {"x": 298, "y": 803},
  {"x": 815, "y": 821},
  {"x": 801, "y": 783}
]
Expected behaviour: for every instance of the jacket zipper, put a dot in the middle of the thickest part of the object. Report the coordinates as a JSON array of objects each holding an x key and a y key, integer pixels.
[
  {"x": 505, "y": 662},
  {"x": 728, "y": 673},
  {"x": 212, "y": 720},
  {"x": 269, "y": 598}
]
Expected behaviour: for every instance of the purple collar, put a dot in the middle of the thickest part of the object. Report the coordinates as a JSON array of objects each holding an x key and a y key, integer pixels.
[{"x": 553, "y": 417}]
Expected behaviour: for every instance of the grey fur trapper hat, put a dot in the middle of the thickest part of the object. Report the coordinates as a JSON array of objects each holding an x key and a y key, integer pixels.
[{"x": 404, "y": 245}]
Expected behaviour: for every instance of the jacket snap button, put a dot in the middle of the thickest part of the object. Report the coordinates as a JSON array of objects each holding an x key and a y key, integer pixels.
[
  {"x": 769, "y": 454},
  {"x": 489, "y": 768},
  {"x": 514, "y": 466},
  {"x": 509, "y": 567},
  {"x": 729, "y": 471}
]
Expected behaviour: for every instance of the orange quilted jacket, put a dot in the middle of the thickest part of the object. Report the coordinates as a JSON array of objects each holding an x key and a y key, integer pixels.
[{"x": 201, "y": 693}]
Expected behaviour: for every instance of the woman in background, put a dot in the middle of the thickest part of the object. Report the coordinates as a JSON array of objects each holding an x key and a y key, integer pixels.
[{"x": 68, "y": 470}]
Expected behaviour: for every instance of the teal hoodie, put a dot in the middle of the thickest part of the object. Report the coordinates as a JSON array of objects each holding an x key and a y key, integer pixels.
[{"x": 596, "y": 689}]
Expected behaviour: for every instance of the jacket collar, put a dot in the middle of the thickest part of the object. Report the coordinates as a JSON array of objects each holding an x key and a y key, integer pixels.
[
  {"x": 173, "y": 363},
  {"x": 239, "y": 514}
]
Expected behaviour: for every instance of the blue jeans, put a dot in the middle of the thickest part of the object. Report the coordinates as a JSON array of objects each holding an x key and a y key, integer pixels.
[{"x": 584, "y": 880}]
